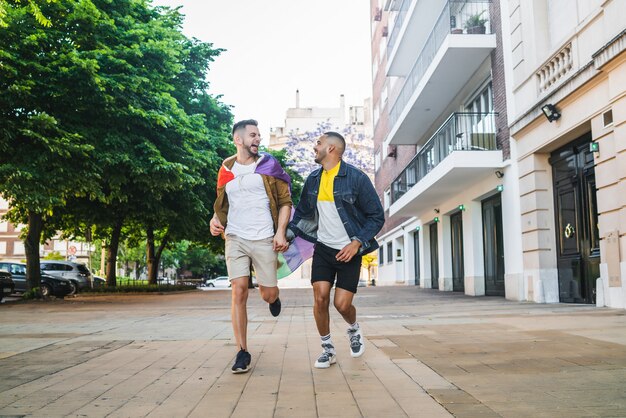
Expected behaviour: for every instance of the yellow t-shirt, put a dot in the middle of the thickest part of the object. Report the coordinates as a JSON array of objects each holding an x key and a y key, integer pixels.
[{"x": 331, "y": 231}]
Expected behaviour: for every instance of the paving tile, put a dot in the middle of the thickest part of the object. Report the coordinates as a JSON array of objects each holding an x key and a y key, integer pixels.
[{"x": 170, "y": 355}]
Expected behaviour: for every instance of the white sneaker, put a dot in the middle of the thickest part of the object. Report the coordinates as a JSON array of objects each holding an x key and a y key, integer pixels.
[
  {"x": 327, "y": 357},
  {"x": 357, "y": 344}
]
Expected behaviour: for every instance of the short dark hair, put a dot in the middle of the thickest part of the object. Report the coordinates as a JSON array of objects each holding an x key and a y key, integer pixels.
[
  {"x": 338, "y": 136},
  {"x": 243, "y": 123}
]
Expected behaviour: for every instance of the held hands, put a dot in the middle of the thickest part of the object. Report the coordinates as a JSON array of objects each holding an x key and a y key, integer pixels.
[
  {"x": 216, "y": 226},
  {"x": 348, "y": 251},
  {"x": 280, "y": 243}
]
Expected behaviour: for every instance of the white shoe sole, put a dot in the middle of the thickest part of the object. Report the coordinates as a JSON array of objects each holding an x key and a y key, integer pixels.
[
  {"x": 325, "y": 365},
  {"x": 359, "y": 353}
]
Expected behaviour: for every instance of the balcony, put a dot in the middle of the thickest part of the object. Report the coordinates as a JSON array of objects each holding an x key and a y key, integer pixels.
[
  {"x": 461, "y": 152},
  {"x": 453, "y": 51}
]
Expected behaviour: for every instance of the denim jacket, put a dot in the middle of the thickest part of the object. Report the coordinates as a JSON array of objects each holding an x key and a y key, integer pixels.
[{"x": 356, "y": 201}]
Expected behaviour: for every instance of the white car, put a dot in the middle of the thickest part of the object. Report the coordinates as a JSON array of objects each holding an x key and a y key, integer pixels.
[{"x": 220, "y": 282}]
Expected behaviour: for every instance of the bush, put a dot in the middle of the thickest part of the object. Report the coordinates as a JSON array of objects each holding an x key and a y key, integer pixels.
[{"x": 139, "y": 288}]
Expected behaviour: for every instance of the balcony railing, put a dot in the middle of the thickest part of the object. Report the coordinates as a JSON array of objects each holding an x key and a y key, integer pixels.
[
  {"x": 457, "y": 17},
  {"x": 460, "y": 132},
  {"x": 404, "y": 7}
]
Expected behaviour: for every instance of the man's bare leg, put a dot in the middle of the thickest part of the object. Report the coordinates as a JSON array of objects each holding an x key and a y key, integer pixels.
[
  {"x": 268, "y": 294},
  {"x": 321, "y": 295},
  {"x": 238, "y": 309},
  {"x": 343, "y": 304}
]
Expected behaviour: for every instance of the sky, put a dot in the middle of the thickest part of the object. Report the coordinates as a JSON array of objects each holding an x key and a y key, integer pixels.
[{"x": 321, "y": 47}]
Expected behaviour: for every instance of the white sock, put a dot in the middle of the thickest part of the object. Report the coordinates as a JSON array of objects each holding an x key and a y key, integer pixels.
[
  {"x": 354, "y": 327},
  {"x": 327, "y": 340}
]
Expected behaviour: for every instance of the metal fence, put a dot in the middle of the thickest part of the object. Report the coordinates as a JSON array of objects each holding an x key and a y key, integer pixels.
[{"x": 460, "y": 132}]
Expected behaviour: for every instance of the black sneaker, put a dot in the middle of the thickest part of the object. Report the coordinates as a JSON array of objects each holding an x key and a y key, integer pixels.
[
  {"x": 242, "y": 362},
  {"x": 275, "y": 307}
]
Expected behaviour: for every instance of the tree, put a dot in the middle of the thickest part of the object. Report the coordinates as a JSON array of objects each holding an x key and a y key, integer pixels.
[
  {"x": 31, "y": 5},
  {"x": 45, "y": 159},
  {"x": 359, "y": 149},
  {"x": 157, "y": 134}
]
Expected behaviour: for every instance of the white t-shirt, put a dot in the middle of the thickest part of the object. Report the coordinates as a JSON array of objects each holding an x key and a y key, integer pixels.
[
  {"x": 249, "y": 215},
  {"x": 330, "y": 231}
]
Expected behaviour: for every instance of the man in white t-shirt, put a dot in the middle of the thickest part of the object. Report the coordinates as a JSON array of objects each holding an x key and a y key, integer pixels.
[{"x": 252, "y": 211}]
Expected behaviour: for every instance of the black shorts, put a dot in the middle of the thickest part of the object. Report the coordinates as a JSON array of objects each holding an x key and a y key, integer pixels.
[{"x": 326, "y": 268}]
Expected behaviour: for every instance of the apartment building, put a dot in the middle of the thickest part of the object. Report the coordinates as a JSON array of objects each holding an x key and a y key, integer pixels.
[
  {"x": 12, "y": 246},
  {"x": 443, "y": 157},
  {"x": 302, "y": 119},
  {"x": 566, "y": 79}
]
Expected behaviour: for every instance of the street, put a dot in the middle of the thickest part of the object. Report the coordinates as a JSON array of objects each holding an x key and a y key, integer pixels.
[{"x": 428, "y": 354}]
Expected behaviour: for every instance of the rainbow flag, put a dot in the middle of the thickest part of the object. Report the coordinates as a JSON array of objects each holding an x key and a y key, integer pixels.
[{"x": 299, "y": 251}]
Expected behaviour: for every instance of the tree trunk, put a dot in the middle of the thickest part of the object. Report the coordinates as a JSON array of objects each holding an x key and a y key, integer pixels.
[
  {"x": 150, "y": 257},
  {"x": 31, "y": 246},
  {"x": 112, "y": 248},
  {"x": 159, "y": 253}
]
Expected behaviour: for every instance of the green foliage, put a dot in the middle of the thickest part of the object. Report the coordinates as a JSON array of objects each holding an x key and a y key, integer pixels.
[
  {"x": 105, "y": 120},
  {"x": 297, "y": 181},
  {"x": 54, "y": 255},
  {"x": 476, "y": 20},
  {"x": 200, "y": 260},
  {"x": 30, "y": 5},
  {"x": 146, "y": 288},
  {"x": 34, "y": 293}
]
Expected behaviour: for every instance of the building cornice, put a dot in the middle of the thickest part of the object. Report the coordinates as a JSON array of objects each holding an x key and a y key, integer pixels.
[{"x": 600, "y": 58}]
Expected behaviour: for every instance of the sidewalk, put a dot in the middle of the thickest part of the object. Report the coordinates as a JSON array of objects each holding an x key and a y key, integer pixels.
[{"x": 429, "y": 354}]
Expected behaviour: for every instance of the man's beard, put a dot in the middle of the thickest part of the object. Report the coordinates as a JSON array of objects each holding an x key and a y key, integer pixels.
[
  {"x": 250, "y": 151},
  {"x": 319, "y": 157}
]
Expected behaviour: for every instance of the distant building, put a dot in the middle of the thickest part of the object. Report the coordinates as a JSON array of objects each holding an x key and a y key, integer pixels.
[
  {"x": 306, "y": 119},
  {"x": 12, "y": 247}
]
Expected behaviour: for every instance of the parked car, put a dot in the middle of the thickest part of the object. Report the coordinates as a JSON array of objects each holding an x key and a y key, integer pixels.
[
  {"x": 99, "y": 282},
  {"x": 6, "y": 284},
  {"x": 219, "y": 282},
  {"x": 77, "y": 273},
  {"x": 50, "y": 285}
]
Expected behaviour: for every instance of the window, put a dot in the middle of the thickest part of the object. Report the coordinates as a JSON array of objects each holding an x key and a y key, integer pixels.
[
  {"x": 3, "y": 247},
  {"x": 377, "y": 161},
  {"x": 381, "y": 254},
  {"x": 376, "y": 113},
  {"x": 384, "y": 95},
  {"x": 387, "y": 199},
  {"x": 18, "y": 269},
  {"x": 4, "y": 226},
  {"x": 389, "y": 252},
  {"x": 18, "y": 248},
  {"x": 607, "y": 118},
  {"x": 482, "y": 102}
]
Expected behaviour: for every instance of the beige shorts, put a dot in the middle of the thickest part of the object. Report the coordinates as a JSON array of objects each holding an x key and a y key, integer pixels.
[{"x": 240, "y": 252}]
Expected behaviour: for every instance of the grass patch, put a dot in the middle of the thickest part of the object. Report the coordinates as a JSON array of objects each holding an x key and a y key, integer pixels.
[{"x": 140, "y": 288}]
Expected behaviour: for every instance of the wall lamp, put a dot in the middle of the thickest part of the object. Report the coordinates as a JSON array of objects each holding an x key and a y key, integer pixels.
[
  {"x": 551, "y": 112},
  {"x": 499, "y": 174}
]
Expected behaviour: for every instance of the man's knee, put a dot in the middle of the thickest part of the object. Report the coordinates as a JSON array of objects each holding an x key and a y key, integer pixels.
[
  {"x": 343, "y": 307},
  {"x": 322, "y": 300},
  {"x": 269, "y": 294},
  {"x": 239, "y": 289}
]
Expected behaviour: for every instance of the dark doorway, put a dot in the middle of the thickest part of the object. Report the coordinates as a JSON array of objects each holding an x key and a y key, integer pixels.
[
  {"x": 416, "y": 256},
  {"x": 434, "y": 256},
  {"x": 493, "y": 244},
  {"x": 458, "y": 271},
  {"x": 576, "y": 223}
]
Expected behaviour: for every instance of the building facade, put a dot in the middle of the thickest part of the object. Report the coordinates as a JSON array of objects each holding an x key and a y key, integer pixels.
[
  {"x": 566, "y": 75},
  {"x": 516, "y": 114},
  {"x": 445, "y": 171},
  {"x": 12, "y": 246}
]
